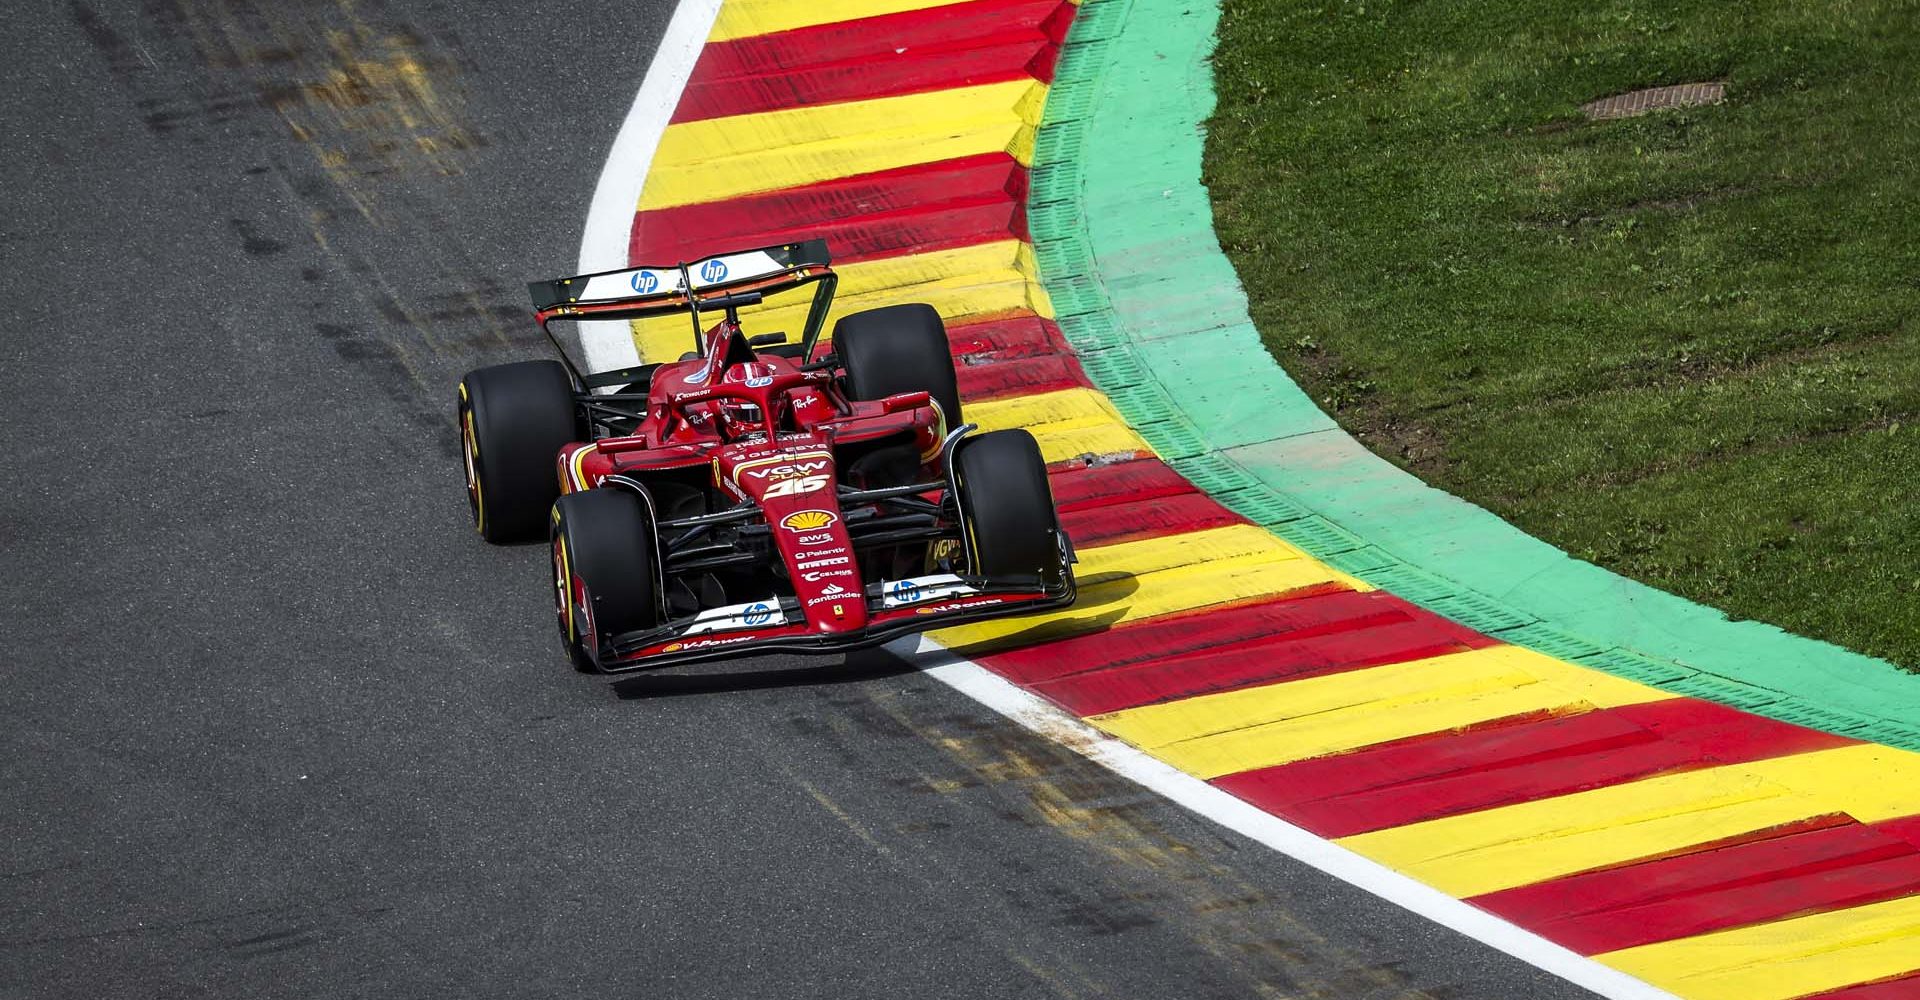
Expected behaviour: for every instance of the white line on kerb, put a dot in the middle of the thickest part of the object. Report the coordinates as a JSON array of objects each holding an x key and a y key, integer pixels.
[
  {"x": 610, "y": 345},
  {"x": 603, "y": 247}
]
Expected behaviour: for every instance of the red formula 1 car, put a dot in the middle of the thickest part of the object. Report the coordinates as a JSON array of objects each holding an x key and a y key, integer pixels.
[{"x": 757, "y": 496}]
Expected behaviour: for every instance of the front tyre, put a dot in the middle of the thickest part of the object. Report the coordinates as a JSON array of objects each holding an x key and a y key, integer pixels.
[
  {"x": 897, "y": 349},
  {"x": 606, "y": 571},
  {"x": 514, "y": 419},
  {"x": 1010, "y": 527}
]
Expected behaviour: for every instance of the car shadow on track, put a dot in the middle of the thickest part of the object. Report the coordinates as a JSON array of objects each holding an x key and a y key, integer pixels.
[{"x": 860, "y": 665}]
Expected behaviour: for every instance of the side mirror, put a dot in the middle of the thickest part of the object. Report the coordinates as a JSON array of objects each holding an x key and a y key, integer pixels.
[{"x": 902, "y": 401}]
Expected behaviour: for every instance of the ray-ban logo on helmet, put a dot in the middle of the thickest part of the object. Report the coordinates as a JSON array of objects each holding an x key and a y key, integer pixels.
[{"x": 808, "y": 520}]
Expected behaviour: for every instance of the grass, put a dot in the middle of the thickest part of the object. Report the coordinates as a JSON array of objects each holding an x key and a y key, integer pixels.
[{"x": 1683, "y": 346}]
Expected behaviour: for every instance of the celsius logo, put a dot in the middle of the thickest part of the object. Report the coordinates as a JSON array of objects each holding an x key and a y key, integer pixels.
[
  {"x": 906, "y": 592},
  {"x": 713, "y": 271},
  {"x": 808, "y": 520},
  {"x": 645, "y": 282},
  {"x": 757, "y": 614}
]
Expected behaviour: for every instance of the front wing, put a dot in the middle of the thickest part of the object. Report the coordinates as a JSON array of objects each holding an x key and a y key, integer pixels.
[{"x": 778, "y": 625}]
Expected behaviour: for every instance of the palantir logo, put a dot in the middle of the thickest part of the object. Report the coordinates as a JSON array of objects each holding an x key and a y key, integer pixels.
[
  {"x": 713, "y": 271},
  {"x": 645, "y": 282}
]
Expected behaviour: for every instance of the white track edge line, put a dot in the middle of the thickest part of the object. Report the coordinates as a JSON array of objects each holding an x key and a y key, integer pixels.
[
  {"x": 616, "y": 198},
  {"x": 1048, "y": 720},
  {"x": 609, "y": 344}
]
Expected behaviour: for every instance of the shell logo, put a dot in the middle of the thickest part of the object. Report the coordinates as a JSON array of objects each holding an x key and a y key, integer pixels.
[
  {"x": 807, "y": 520},
  {"x": 672, "y": 647}
]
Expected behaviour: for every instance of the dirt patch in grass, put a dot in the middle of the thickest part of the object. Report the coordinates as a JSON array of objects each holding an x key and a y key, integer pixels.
[{"x": 1413, "y": 445}]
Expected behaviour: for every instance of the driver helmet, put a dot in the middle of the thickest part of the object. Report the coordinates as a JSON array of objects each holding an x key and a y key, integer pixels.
[{"x": 742, "y": 414}]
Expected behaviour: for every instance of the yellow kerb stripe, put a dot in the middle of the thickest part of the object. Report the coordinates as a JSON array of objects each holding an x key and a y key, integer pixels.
[
  {"x": 1788, "y": 958},
  {"x": 1521, "y": 844},
  {"x": 1076, "y": 404},
  {"x": 1161, "y": 576},
  {"x": 724, "y": 158},
  {"x": 1259, "y": 727},
  {"x": 1066, "y": 424},
  {"x": 961, "y": 284},
  {"x": 741, "y": 18}
]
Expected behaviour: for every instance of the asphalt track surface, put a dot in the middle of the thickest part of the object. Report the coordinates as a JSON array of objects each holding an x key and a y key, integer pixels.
[{"x": 274, "y": 722}]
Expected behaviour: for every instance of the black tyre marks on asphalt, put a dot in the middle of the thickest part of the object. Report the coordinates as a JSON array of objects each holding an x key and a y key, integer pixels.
[{"x": 361, "y": 114}]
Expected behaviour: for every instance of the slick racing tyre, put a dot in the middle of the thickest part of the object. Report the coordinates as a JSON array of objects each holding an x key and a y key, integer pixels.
[
  {"x": 606, "y": 574},
  {"x": 1006, "y": 509},
  {"x": 513, "y": 421},
  {"x": 897, "y": 349}
]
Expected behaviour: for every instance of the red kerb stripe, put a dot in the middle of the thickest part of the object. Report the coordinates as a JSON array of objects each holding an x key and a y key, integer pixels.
[
  {"x": 1149, "y": 518},
  {"x": 1448, "y": 774},
  {"x": 1774, "y": 878},
  {"x": 914, "y": 209},
  {"x": 1123, "y": 482},
  {"x": 1268, "y": 660},
  {"x": 1215, "y": 629},
  {"x": 1906, "y": 987},
  {"x": 955, "y": 45}
]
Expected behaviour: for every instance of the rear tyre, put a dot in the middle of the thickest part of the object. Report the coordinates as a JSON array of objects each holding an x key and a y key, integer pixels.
[
  {"x": 606, "y": 574},
  {"x": 897, "y": 349},
  {"x": 513, "y": 421},
  {"x": 1006, "y": 508}
]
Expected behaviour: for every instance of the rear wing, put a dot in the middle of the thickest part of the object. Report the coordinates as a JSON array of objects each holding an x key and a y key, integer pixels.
[{"x": 724, "y": 281}]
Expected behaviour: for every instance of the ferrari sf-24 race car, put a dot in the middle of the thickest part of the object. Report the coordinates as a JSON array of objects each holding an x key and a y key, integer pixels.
[{"x": 756, "y": 495}]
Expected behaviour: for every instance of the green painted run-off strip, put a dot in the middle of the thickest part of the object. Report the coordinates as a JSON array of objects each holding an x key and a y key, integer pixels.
[{"x": 1124, "y": 234}]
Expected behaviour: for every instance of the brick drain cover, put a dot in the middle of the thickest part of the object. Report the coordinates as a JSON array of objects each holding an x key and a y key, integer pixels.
[{"x": 1639, "y": 102}]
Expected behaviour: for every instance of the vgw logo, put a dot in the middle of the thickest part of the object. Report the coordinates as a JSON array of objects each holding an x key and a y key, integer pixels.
[
  {"x": 645, "y": 282},
  {"x": 790, "y": 471},
  {"x": 713, "y": 271}
]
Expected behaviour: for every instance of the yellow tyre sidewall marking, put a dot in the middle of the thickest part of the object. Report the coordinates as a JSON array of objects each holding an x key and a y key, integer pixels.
[
  {"x": 563, "y": 582},
  {"x": 470, "y": 449}
]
